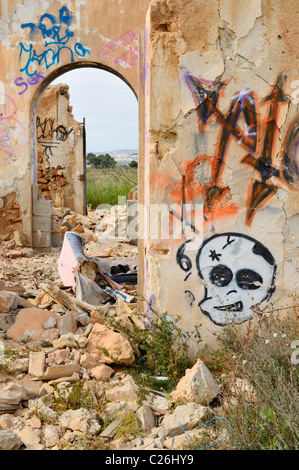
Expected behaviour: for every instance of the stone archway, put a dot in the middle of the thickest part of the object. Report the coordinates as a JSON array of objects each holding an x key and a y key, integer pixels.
[{"x": 75, "y": 182}]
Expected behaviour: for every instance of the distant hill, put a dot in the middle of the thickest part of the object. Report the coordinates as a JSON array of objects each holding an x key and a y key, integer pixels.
[{"x": 123, "y": 156}]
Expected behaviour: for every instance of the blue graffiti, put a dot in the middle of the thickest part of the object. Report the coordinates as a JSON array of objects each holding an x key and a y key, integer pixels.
[{"x": 56, "y": 38}]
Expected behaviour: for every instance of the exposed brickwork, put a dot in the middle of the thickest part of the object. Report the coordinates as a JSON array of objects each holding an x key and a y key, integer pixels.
[
  {"x": 51, "y": 183},
  {"x": 10, "y": 214}
]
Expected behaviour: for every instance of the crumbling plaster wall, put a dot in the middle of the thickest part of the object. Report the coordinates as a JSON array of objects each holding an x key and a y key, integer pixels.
[
  {"x": 39, "y": 40},
  {"x": 60, "y": 159},
  {"x": 222, "y": 133}
]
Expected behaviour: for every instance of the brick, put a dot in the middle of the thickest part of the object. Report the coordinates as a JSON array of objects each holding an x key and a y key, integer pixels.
[
  {"x": 41, "y": 239},
  {"x": 42, "y": 223},
  {"x": 42, "y": 208}
]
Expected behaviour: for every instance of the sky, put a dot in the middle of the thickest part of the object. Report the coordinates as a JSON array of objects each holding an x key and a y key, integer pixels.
[{"x": 109, "y": 106}]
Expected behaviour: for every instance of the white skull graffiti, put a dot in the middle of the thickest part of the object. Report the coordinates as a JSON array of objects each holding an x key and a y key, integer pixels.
[{"x": 238, "y": 273}]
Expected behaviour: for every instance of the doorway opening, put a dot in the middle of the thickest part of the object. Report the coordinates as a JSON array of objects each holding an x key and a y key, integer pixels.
[{"x": 86, "y": 125}]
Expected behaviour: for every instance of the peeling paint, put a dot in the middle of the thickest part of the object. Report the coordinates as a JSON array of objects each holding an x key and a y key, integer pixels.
[{"x": 248, "y": 62}]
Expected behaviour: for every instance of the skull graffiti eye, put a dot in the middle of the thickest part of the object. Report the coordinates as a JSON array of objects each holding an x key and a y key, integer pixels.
[
  {"x": 221, "y": 275},
  {"x": 248, "y": 279}
]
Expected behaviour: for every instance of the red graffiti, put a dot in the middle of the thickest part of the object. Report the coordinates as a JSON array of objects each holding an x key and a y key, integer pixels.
[{"x": 255, "y": 137}]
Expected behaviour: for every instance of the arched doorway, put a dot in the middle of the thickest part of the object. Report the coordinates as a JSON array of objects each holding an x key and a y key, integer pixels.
[
  {"x": 59, "y": 145},
  {"x": 60, "y": 149}
]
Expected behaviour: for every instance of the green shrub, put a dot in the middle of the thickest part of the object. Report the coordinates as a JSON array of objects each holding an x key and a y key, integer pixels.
[{"x": 163, "y": 351}]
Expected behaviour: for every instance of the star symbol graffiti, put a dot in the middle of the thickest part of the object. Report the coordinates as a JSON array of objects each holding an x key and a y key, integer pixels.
[{"x": 214, "y": 255}]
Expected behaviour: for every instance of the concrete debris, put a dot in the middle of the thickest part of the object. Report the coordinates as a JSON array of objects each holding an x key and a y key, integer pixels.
[
  {"x": 111, "y": 430},
  {"x": 59, "y": 346},
  {"x": 80, "y": 420},
  {"x": 37, "y": 363},
  {"x": 109, "y": 347},
  {"x": 146, "y": 418},
  {"x": 188, "y": 416},
  {"x": 14, "y": 393},
  {"x": 29, "y": 324},
  {"x": 9, "y": 441},
  {"x": 197, "y": 384},
  {"x": 102, "y": 372}
]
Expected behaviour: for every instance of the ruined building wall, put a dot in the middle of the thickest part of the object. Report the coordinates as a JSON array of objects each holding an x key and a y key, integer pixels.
[
  {"x": 60, "y": 159},
  {"x": 222, "y": 137},
  {"x": 40, "y": 40},
  {"x": 218, "y": 96}
]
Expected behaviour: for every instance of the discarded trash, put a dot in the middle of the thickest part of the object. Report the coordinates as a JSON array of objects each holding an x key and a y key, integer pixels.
[
  {"x": 84, "y": 274},
  {"x": 115, "y": 293}
]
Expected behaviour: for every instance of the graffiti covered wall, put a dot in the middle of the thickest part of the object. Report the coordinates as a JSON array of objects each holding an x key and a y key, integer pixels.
[
  {"x": 223, "y": 150},
  {"x": 219, "y": 88},
  {"x": 39, "y": 40},
  {"x": 60, "y": 160}
]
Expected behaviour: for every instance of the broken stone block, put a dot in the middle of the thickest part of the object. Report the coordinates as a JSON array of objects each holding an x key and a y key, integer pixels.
[
  {"x": 161, "y": 403},
  {"x": 51, "y": 436},
  {"x": 57, "y": 372},
  {"x": 11, "y": 300},
  {"x": 127, "y": 392},
  {"x": 82, "y": 319},
  {"x": 6, "y": 321},
  {"x": 198, "y": 384},
  {"x": 111, "y": 429},
  {"x": 120, "y": 409},
  {"x": 146, "y": 418},
  {"x": 19, "y": 238},
  {"x": 79, "y": 420},
  {"x": 58, "y": 357},
  {"x": 119, "y": 349},
  {"x": 72, "y": 220},
  {"x": 34, "y": 422},
  {"x": 6, "y": 423},
  {"x": 74, "y": 378},
  {"x": 81, "y": 340},
  {"x": 67, "y": 323},
  {"x": 102, "y": 372},
  {"x": 14, "y": 393},
  {"x": 8, "y": 301},
  {"x": 37, "y": 362},
  {"x": 28, "y": 436},
  {"x": 29, "y": 324},
  {"x": 9, "y": 441},
  {"x": 189, "y": 416},
  {"x": 43, "y": 300},
  {"x": 42, "y": 408},
  {"x": 78, "y": 229},
  {"x": 88, "y": 361},
  {"x": 4, "y": 409},
  {"x": 66, "y": 341}
]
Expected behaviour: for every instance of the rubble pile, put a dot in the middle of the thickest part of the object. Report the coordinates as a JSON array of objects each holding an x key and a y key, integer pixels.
[{"x": 65, "y": 374}]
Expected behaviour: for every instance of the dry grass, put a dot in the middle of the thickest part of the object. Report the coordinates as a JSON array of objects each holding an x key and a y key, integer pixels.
[
  {"x": 260, "y": 385},
  {"x": 104, "y": 186}
]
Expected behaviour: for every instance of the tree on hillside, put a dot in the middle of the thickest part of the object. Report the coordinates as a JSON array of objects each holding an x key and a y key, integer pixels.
[
  {"x": 101, "y": 161},
  {"x": 133, "y": 164}
]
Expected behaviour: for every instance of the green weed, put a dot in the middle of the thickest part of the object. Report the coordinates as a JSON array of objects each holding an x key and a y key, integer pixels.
[{"x": 106, "y": 185}]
